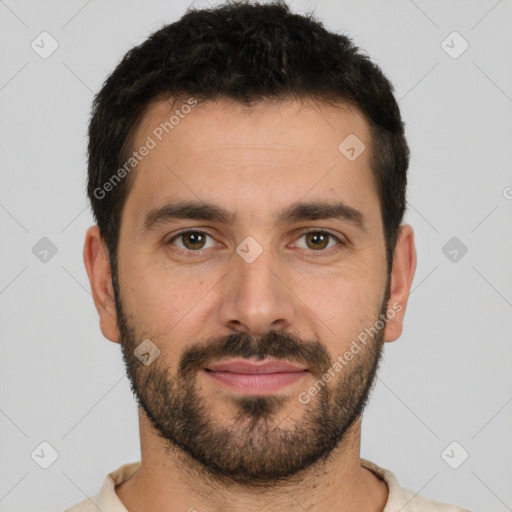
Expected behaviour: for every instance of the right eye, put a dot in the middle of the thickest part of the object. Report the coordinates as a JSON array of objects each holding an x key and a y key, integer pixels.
[{"x": 191, "y": 240}]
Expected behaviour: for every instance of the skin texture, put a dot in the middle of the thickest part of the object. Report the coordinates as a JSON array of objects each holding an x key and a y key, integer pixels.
[{"x": 254, "y": 163}]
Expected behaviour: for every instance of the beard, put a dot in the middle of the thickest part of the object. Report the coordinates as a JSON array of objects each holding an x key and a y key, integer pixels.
[{"x": 253, "y": 448}]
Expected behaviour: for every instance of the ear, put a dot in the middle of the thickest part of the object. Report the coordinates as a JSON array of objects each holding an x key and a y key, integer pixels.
[
  {"x": 97, "y": 264},
  {"x": 402, "y": 274}
]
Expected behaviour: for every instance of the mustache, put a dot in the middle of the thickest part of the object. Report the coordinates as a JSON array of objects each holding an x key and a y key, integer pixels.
[{"x": 273, "y": 344}]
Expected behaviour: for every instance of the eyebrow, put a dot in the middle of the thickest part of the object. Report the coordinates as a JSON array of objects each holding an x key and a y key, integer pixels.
[{"x": 297, "y": 212}]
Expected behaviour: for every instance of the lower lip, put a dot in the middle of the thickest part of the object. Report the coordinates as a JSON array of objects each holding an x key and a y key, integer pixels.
[{"x": 261, "y": 383}]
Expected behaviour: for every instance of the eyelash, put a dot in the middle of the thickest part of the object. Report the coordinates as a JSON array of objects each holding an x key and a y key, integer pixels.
[{"x": 192, "y": 254}]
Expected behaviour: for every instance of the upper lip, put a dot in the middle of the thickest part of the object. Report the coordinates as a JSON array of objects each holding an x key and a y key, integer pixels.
[{"x": 244, "y": 366}]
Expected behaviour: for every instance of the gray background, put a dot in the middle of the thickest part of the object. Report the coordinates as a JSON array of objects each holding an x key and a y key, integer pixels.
[{"x": 447, "y": 379}]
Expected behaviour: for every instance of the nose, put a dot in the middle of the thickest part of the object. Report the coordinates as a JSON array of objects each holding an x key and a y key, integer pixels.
[{"x": 256, "y": 296}]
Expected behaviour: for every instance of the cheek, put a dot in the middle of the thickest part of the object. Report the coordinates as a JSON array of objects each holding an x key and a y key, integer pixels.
[
  {"x": 163, "y": 301},
  {"x": 344, "y": 307}
]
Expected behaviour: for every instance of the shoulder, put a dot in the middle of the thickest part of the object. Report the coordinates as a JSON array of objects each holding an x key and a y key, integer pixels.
[
  {"x": 405, "y": 500},
  {"x": 107, "y": 500}
]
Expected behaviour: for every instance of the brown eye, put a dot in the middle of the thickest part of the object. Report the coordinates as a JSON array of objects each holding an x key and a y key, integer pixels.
[
  {"x": 191, "y": 240},
  {"x": 317, "y": 240}
]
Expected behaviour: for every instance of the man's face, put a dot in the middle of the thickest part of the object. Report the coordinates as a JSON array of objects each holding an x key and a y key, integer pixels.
[{"x": 273, "y": 281}]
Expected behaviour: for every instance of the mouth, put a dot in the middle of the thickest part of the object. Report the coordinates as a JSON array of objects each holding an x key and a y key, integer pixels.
[{"x": 258, "y": 378}]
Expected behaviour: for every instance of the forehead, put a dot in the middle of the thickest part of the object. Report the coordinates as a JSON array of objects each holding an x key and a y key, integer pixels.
[
  {"x": 279, "y": 125},
  {"x": 274, "y": 152}
]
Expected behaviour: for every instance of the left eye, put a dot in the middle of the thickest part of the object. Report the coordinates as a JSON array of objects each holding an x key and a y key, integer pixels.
[{"x": 319, "y": 240}]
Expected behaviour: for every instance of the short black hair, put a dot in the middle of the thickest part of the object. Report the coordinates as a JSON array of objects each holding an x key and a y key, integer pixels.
[{"x": 245, "y": 52}]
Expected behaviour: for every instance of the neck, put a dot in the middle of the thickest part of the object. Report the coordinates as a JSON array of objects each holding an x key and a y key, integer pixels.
[{"x": 168, "y": 480}]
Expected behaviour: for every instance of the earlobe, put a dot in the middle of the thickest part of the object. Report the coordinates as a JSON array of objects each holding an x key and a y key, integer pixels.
[
  {"x": 404, "y": 267},
  {"x": 98, "y": 268}
]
